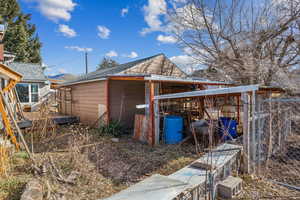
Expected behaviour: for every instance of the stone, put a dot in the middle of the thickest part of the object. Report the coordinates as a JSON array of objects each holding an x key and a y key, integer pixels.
[
  {"x": 33, "y": 191},
  {"x": 115, "y": 139}
]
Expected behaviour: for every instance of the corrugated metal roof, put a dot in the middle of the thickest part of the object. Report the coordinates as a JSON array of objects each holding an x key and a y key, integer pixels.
[
  {"x": 29, "y": 71},
  {"x": 188, "y": 80}
]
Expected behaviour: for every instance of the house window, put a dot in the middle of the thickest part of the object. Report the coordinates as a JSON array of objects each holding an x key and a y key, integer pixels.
[
  {"x": 34, "y": 93},
  {"x": 23, "y": 92},
  {"x": 28, "y": 93}
]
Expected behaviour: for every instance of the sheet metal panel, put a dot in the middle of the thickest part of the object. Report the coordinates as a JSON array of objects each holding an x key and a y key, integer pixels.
[
  {"x": 209, "y": 92},
  {"x": 153, "y": 188}
]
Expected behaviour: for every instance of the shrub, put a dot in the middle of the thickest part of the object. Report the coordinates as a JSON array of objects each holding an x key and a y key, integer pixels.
[{"x": 114, "y": 128}]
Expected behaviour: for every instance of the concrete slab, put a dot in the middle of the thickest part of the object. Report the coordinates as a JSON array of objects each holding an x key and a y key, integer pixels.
[
  {"x": 195, "y": 176},
  {"x": 153, "y": 188},
  {"x": 188, "y": 178}
]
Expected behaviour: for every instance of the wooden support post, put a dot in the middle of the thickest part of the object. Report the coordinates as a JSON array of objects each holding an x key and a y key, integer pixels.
[
  {"x": 245, "y": 100},
  {"x": 151, "y": 113},
  {"x": 238, "y": 109},
  {"x": 18, "y": 103}
]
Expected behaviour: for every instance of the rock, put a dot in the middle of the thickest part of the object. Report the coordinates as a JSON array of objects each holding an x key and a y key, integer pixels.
[
  {"x": 33, "y": 191},
  {"x": 73, "y": 176},
  {"x": 115, "y": 139}
]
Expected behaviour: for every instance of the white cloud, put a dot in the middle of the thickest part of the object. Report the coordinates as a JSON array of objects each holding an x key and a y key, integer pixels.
[
  {"x": 153, "y": 11},
  {"x": 133, "y": 54},
  {"x": 67, "y": 31},
  {"x": 104, "y": 32},
  {"x": 55, "y": 9},
  {"x": 187, "y": 63},
  {"x": 124, "y": 12},
  {"x": 111, "y": 53},
  {"x": 61, "y": 70},
  {"x": 80, "y": 49},
  {"x": 49, "y": 69},
  {"x": 166, "y": 39}
]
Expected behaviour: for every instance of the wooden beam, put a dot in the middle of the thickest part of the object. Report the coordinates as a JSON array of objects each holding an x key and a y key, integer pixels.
[
  {"x": 9, "y": 73},
  {"x": 127, "y": 78}
]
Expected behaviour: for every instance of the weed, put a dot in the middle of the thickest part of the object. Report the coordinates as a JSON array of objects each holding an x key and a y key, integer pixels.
[
  {"x": 114, "y": 128},
  {"x": 22, "y": 154},
  {"x": 12, "y": 188}
]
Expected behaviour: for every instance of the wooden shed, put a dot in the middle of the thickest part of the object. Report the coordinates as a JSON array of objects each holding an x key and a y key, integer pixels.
[{"x": 114, "y": 93}]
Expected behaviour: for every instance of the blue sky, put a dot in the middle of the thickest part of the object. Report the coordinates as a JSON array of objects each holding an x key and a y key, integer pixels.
[{"x": 103, "y": 27}]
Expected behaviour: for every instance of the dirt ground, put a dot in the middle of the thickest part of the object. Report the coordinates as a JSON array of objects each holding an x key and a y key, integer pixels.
[
  {"x": 285, "y": 166},
  {"x": 106, "y": 166}
]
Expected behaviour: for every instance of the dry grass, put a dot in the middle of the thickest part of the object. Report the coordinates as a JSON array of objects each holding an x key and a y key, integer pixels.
[
  {"x": 108, "y": 167},
  {"x": 104, "y": 168},
  {"x": 254, "y": 188}
]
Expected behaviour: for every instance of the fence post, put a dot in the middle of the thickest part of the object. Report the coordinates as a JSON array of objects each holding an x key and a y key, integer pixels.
[
  {"x": 245, "y": 101},
  {"x": 259, "y": 136},
  {"x": 253, "y": 131},
  {"x": 270, "y": 146},
  {"x": 279, "y": 127}
]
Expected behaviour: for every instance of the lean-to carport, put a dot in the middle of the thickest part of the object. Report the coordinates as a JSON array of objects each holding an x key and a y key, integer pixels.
[{"x": 246, "y": 97}]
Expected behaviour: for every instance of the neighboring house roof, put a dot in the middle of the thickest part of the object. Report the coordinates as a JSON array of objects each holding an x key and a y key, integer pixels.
[
  {"x": 30, "y": 72},
  {"x": 122, "y": 69},
  {"x": 63, "y": 77}
]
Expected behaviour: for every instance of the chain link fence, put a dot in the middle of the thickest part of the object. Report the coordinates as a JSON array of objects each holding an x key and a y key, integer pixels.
[{"x": 275, "y": 146}]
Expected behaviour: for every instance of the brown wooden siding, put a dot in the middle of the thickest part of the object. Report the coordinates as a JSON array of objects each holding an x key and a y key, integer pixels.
[
  {"x": 124, "y": 96},
  {"x": 86, "y": 98}
]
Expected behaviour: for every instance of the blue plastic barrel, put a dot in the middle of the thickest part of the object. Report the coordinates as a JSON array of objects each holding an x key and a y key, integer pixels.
[
  {"x": 173, "y": 126},
  {"x": 230, "y": 125}
]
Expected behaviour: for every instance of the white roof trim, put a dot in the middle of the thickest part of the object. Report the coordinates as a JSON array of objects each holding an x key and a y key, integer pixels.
[
  {"x": 187, "y": 80},
  {"x": 84, "y": 81},
  {"x": 209, "y": 92}
]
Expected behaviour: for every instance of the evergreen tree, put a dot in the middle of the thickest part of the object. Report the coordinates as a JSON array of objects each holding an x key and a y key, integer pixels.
[
  {"x": 20, "y": 37},
  {"x": 107, "y": 63}
]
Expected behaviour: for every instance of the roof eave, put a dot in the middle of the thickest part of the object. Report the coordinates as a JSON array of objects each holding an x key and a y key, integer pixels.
[{"x": 80, "y": 82}]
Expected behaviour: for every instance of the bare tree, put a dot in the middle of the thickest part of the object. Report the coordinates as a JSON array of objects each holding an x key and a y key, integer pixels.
[{"x": 248, "y": 41}]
